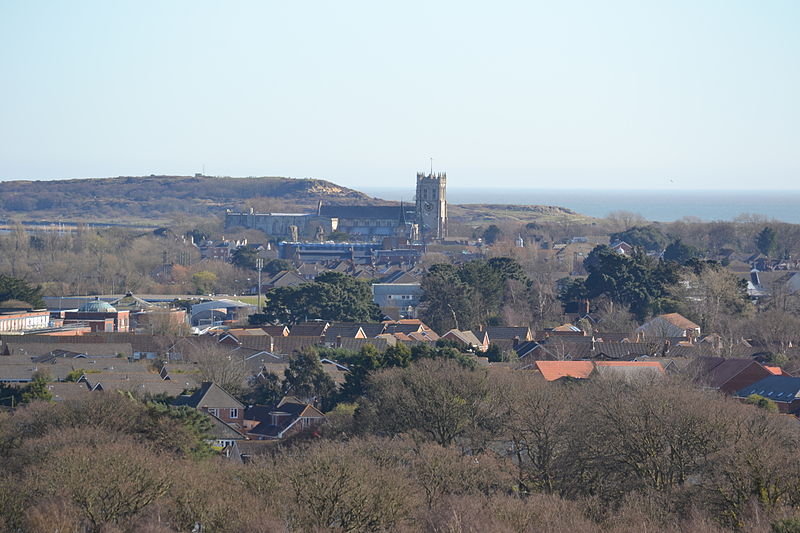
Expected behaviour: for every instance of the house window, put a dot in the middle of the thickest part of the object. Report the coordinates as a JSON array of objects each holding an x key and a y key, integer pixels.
[
  {"x": 213, "y": 411},
  {"x": 234, "y": 413}
]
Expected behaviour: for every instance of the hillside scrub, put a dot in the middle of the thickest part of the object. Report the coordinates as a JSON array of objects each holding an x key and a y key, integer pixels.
[{"x": 600, "y": 455}]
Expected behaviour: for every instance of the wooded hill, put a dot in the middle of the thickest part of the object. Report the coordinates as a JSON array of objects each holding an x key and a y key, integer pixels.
[{"x": 160, "y": 197}]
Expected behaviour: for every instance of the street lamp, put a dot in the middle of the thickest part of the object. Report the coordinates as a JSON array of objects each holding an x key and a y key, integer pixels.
[{"x": 259, "y": 266}]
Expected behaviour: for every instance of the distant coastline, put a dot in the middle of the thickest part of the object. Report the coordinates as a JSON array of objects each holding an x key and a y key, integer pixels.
[{"x": 655, "y": 205}]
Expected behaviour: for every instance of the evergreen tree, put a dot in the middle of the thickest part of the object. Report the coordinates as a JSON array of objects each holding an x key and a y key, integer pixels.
[
  {"x": 492, "y": 234},
  {"x": 16, "y": 289},
  {"x": 37, "y": 389},
  {"x": 245, "y": 257},
  {"x": 331, "y": 296},
  {"x": 767, "y": 241},
  {"x": 637, "y": 281},
  {"x": 680, "y": 252},
  {"x": 265, "y": 390},
  {"x": 648, "y": 237},
  {"x": 306, "y": 379}
]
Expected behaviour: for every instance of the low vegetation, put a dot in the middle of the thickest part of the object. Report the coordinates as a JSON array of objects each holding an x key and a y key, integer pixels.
[
  {"x": 157, "y": 198},
  {"x": 431, "y": 447}
]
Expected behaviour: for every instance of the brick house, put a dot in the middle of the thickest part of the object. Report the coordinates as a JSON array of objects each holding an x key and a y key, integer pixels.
[
  {"x": 290, "y": 416},
  {"x": 215, "y": 401},
  {"x": 729, "y": 375}
]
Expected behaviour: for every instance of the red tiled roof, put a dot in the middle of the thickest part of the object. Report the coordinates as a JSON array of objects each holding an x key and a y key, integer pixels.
[
  {"x": 778, "y": 371},
  {"x": 553, "y": 370}
]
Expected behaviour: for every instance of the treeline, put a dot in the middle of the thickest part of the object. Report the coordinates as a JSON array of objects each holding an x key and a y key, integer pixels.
[
  {"x": 746, "y": 234},
  {"x": 482, "y": 292},
  {"x": 305, "y": 378},
  {"x": 112, "y": 261},
  {"x": 499, "y": 291},
  {"x": 431, "y": 447}
]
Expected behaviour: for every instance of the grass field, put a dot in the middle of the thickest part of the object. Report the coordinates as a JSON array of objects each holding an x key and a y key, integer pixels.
[{"x": 252, "y": 300}]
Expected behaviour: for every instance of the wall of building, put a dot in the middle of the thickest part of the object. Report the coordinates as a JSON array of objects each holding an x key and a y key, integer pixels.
[
  {"x": 279, "y": 225},
  {"x": 432, "y": 205},
  {"x": 24, "y": 321}
]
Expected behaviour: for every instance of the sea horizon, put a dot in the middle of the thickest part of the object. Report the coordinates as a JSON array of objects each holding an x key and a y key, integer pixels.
[{"x": 657, "y": 205}]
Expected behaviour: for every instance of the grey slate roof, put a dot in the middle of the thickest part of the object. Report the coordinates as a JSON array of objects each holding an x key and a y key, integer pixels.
[
  {"x": 342, "y": 330},
  {"x": 356, "y": 344},
  {"x": 209, "y": 395},
  {"x": 508, "y": 332},
  {"x": 266, "y": 428},
  {"x": 221, "y": 430},
  {"x": 89, "y": 348},
  {"x": 308, "y": 329},
  {"x": 782, "y": 389},
  {"x": 385, "y": 212}
]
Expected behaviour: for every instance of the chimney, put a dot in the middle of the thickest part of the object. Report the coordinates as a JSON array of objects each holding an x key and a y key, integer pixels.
[
  {"x": 319, "y": 208},
  {"x": 593, "y": 345},
  {"x": 338, "y": 341},
  {"x": 516, "y": 341},
  {"x": 665, "y": 349},
  {"x": 754, "y": 277}
]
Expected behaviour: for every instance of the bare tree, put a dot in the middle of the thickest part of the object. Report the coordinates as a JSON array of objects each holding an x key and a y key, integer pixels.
[
  {"x": 774, "y": 330},
  {"x": 109, "y": 483},
  {"x": 219, "y": 364},
  {"x": 436, "y": 399},
  {"x": 535, "y": 424},
  {"x": 331, "y": 488},
  {"x": 623, "y": 220}
]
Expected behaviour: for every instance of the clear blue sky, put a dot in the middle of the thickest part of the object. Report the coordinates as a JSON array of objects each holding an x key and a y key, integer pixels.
[{"x": 617, "y": 94}]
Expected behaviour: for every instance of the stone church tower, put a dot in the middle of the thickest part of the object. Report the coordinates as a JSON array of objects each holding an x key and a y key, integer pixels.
[{"x": 432, "y": 205}]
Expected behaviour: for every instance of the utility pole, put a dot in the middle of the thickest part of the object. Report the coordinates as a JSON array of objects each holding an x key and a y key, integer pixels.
[{"x": 259, "y": 266}]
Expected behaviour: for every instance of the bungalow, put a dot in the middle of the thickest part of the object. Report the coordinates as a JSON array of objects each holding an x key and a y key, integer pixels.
[
  {"x": 518, "y": 333},
  {"x": 669, "y": 325},
  {"x": 467, "y": 339}
]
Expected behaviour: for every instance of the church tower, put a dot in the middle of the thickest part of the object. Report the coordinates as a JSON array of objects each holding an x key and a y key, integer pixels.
[{"x": 432, "y": 205}]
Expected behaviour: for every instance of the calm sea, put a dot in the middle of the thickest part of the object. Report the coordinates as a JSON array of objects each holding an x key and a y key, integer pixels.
[{"x": 664, "y": 206}]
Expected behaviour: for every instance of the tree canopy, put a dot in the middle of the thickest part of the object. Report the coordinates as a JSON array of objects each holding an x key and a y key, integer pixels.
[
  {"x": 767, "y": 241},
  {"x": 331, "y": 296},
  {"x": 17, "y": 289},
  {"x": 680, "y": 252},
  {"x": 306, "y": 379},
  {"x": 637, "y": 281},
  {"x": 648, "y": 237},
  {"x": 368, "y": 360},
  {"x": 470, "y": 295}
]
